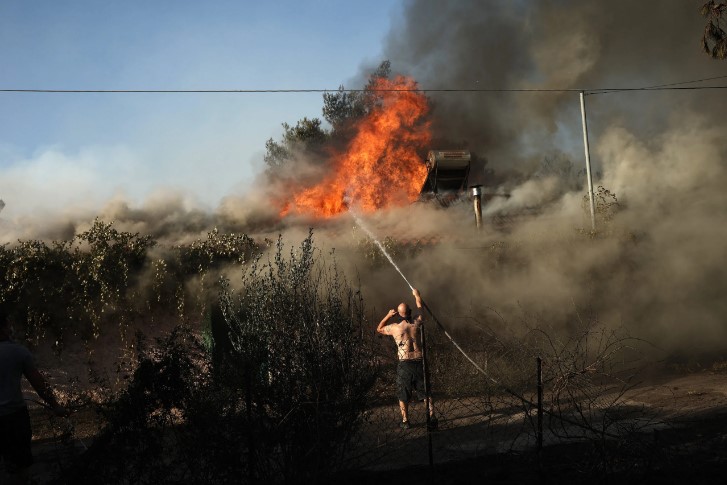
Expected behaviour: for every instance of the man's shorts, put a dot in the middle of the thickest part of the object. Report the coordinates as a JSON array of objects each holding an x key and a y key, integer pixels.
[
  {"x": 15, "y": 438},
  {"x": 410, "y": 379}
]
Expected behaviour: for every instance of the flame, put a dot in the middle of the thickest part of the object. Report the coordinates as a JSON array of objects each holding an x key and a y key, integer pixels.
[{"x": 380, "y": 167}]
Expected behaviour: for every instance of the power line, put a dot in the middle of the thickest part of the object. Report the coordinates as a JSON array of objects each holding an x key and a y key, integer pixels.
[
  {"x": 687, "y": 82},
  {"x": 676, "y": 88},
  {"x": 261, "y": 91},
  {"x": 667, "y": 87},
  {"x": 664, "y": 87}
]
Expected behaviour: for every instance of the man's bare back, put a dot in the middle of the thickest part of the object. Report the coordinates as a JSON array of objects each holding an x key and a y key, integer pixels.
[{"x": 406, "y": 336}]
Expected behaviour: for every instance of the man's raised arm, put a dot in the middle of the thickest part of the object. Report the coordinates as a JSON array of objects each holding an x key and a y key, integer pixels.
[
  {"x": 418, "y": 297},
  {"x": 382, "y": 324}
]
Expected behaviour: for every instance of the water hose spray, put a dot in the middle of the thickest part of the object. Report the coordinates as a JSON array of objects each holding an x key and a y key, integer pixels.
[{"x": 509, "y": 391}]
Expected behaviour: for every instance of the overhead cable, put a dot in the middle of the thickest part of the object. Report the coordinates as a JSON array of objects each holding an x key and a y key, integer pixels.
[{"x": 403, "y": 90}]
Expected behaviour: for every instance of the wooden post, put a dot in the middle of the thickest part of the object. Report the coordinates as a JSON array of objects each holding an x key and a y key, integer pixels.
[
  {"x": 427, "y": 393},
  {"x": 251, "y": 461},
  {"x": 540, "y": 404}
]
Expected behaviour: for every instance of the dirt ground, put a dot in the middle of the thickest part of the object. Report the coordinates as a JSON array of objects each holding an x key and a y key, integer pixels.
[
  {"x": 685, "y": 439},
  {"x": 680, "y": 437}
]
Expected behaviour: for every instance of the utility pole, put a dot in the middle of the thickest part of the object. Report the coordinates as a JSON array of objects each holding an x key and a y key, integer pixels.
[{"x": 588, "y": 161}]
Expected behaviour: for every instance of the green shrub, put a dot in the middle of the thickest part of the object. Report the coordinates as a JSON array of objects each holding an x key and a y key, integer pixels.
[
  {"x": 298, "y": 339},
  {"x": 104, "y": 278},
  {"x": 274, "y": 394},
  {"x": 70, "y": 287}
]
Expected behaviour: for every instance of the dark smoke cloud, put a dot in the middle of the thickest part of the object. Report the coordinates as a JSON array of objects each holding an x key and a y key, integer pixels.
[
  {"x": 553, "y": 45},
  {"x": 659, "y": 266}
]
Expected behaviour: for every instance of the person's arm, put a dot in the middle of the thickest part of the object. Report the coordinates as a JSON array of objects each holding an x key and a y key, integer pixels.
[
  {"x": 417, "y": 297},
  {"x": 382, "y": 324},
  {"x": 41, "y": 386}
]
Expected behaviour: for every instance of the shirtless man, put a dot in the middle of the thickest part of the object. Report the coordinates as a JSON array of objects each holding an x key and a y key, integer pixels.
[{"x": 410, "y": 368}]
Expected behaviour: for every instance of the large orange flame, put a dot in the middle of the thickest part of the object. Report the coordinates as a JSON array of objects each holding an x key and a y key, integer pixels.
[{"x": 380, "y": 167}]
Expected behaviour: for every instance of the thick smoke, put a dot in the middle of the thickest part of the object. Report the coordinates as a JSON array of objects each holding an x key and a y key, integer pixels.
[
  {"x": 657, "y": 264},
  {"x": 551, "y": 45}
]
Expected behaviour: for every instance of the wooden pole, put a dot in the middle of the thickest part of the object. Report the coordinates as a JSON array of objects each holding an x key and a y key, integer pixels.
[
  {"x": 427, "y": 393},
  {"x": 540, "y": 403}
]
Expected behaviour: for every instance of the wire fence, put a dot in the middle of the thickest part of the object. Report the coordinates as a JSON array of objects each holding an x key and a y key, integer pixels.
[
  {"x": 539, "y": 394},
  {"x": 577, "y": 392}
]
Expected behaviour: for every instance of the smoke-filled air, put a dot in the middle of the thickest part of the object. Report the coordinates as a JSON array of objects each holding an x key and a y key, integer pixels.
[
  {"x": 501, "y": 80},
  {"x": 498, "y": 251},
  {"x": 659, "y": 267}
]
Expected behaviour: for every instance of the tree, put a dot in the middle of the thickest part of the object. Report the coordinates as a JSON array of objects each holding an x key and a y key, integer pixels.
[
  {"x": 342, "y": 107},
  {"x": 714, "y": 39},
  {"x": 307, "y": 136}
]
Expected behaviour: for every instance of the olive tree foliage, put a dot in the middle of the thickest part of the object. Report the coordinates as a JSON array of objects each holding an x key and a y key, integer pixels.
[
  {"x": 307, "y": 136},
  {"x": 106, "y": 280},
  {"x": 64, "y": 288},
  {"x": 309, "y": 139},
  {"x": 298, "y": 340},
  {"x": 714, "y": 38},
  {"x": 343, "y": 107},
  {"x": 276, "y": 398}
]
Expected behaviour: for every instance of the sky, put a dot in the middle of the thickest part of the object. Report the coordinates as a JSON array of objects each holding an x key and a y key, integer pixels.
[{"x": 66, "y": 150}]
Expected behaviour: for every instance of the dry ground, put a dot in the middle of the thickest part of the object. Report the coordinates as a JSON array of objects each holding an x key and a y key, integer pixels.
[
  {"x": 685, "y": 438},
  {"x": 682, "y": 438}
]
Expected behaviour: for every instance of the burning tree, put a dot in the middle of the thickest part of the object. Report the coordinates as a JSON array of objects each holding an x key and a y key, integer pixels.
[
  {"x": 381, "y": 165},
  {"x": 371, "y": 155},
  {"x": 341, "y": 110}
]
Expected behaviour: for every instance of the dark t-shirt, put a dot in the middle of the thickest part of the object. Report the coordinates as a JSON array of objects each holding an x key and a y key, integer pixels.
[{"x": 15, "y": 360}]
